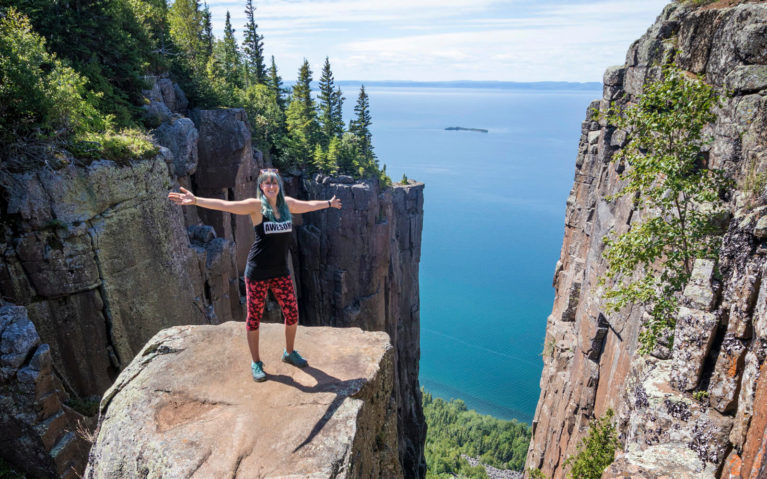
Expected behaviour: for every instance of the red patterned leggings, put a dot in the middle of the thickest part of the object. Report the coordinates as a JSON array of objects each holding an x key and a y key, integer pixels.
[{"x": 282, "y": 289}]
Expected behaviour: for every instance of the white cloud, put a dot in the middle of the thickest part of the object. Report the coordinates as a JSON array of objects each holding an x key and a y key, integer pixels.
[{"x": 449, "y": 39}]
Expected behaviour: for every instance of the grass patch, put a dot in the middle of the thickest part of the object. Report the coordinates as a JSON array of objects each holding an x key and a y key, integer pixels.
[
  {"x": 119, "y": 146},
  {"x": 85, "y": 406}
]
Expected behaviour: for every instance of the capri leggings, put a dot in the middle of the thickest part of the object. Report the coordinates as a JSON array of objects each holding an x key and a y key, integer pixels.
[{"x": 282, "y": 289}]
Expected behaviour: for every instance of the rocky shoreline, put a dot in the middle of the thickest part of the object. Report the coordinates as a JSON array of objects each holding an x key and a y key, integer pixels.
[{"x": 494, "y": 472}]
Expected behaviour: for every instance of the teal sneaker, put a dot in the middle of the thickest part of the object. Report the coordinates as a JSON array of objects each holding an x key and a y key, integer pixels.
[
  {"x": 257, "y": 369},
  {"x": 294, "y": 358}
]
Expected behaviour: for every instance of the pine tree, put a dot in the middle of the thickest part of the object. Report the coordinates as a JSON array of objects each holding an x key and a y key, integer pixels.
[
  {"x": 253, "y": 47},
  {"x": 274, "y": 82},
  {"x": 301, "y": 119},
  {"x": 207, "y": 31},
  {"x": 338, "y": 114},
  {"x": 230, "y": 62},
  {"x": 360, "y": 126},
  {"x": 330, "y": 104}
]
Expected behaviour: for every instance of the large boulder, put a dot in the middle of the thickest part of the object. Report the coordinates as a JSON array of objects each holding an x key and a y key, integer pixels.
[
  {"x": 180, "y": 136},
  {"x": 187, "y": 406}
]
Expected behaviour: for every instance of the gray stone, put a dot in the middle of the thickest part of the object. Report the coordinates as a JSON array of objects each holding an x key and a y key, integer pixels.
[
  {"x": 226, "y": 169},
  {"x": 32, "y": 417},
  {"x": 180, "y": 137},
  {"x": 724, "y": 384},
  {"x": 751, "y": 39},
  {"x": 614, "y": 75},
  {"x": 699, "y": 292},
  {"x": 746, "y": 79},
  {"x": 745, "y": 400},
  {"x": 760, "y": 230},
  {"x": 668, "y": 432},
  {"x": 172, "y": 96},
  {"x": 201, "y": 234},
  {"x": 693, "y": 337},
  {"x": 739, "y": 37},
  {"x": 18, "y": 338}
]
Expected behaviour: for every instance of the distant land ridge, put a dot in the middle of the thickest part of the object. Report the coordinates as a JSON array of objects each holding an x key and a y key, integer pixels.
[{"x": 501, "y": 85}]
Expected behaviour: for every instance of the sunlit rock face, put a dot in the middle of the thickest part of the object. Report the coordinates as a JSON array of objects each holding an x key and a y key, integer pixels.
[
  {"x": 358, "y": 266},
  {"x": 187, "y": 406},
  {"x": 719, "y": 346}
]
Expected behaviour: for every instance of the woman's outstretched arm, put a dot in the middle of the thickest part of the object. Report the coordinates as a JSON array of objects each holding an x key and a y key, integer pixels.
[
  {"x": 243, "y": 207},
  {"x": 299, "y": 206}
]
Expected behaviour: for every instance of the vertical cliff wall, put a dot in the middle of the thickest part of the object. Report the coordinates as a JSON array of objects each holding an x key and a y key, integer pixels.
[
  {"x": 590, "y": 355},
  {"x": 102, "y": 261},
  {"x": 359, "y": 267}
]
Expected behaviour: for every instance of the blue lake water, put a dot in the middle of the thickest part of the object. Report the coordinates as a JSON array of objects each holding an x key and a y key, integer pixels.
[{"x": 493, "y": 225}]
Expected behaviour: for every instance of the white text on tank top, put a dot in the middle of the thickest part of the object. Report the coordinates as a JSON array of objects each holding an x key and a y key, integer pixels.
[{"x": 271, "y": 227}]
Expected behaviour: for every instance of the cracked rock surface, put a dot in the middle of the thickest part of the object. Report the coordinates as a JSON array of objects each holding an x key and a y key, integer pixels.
[{"x": 186, "y": 406}]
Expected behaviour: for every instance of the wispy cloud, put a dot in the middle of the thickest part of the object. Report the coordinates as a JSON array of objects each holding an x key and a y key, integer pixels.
[{"x": 449, "y": 39}]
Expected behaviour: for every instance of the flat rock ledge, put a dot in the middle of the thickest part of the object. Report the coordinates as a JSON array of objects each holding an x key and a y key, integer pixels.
[{"x": 187, "y": 406}]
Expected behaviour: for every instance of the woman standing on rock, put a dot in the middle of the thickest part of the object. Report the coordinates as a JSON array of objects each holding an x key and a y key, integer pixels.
[{"x": 267, "y": 267}]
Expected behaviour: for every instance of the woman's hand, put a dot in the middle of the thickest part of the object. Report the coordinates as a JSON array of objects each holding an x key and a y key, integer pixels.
[
  {"x": 185, "y": 198},
  {"x": 335, "y": 202}
]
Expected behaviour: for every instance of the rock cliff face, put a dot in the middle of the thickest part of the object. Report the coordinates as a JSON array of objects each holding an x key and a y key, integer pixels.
[
  {"x": 336, "y": 418},
  {"x": 375, "y": 288},
  {"x": 102, "y": 261},
  {"x": 37, "y": 431},
  {"x": 591, "y": 362}
]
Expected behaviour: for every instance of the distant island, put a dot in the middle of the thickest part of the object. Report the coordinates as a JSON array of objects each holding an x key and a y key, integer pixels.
[{"x": 460, "y": 128}]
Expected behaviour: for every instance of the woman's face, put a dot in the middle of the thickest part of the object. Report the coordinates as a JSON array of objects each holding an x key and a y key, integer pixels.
[{"x": 270, "y": 188}]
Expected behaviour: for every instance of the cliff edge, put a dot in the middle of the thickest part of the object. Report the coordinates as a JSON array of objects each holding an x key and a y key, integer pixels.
[
  {"x": 187, "y": 406},
  {"x": 695, "y": 409}
]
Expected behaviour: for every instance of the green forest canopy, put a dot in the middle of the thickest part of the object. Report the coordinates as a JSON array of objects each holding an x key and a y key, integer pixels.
[
  {"x": 72, "y": 75},
  {"x": 454, "y": 430}
]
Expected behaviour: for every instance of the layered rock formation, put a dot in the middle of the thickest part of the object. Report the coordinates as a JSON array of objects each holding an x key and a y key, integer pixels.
[
  {"x": 336, "y": 418},
  {"x": 720, "y": 342},
  {"x": 37, "y": 430},
  {"x": 376, "y": 287},
  {"x": 102, "y": 260}
]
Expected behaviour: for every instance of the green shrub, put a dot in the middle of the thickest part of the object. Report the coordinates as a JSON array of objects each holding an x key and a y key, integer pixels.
[
  {"x": 85, "y": 406},
  {"x": 665, "y": 174},
  {"x": 40, "y": 97},
  {"x": 120, "y": 147},
  {"x": 596, "y": 451}
]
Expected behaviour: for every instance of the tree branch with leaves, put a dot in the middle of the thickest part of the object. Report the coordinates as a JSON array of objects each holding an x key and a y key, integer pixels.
[{"x": 669, "y": 178}]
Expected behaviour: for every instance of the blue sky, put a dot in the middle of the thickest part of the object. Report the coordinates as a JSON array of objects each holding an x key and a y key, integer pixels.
[{"x": 433, "y": 40}]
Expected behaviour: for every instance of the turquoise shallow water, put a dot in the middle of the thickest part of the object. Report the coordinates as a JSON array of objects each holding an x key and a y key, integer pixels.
[{"x": 493, "y": 225}]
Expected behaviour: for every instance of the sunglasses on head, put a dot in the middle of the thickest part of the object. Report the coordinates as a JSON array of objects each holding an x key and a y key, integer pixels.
[{"x": 269, "y": 170}]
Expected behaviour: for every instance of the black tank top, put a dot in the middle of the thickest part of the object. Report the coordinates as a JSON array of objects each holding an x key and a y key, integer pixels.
[{"x": 267, "y": 257}]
